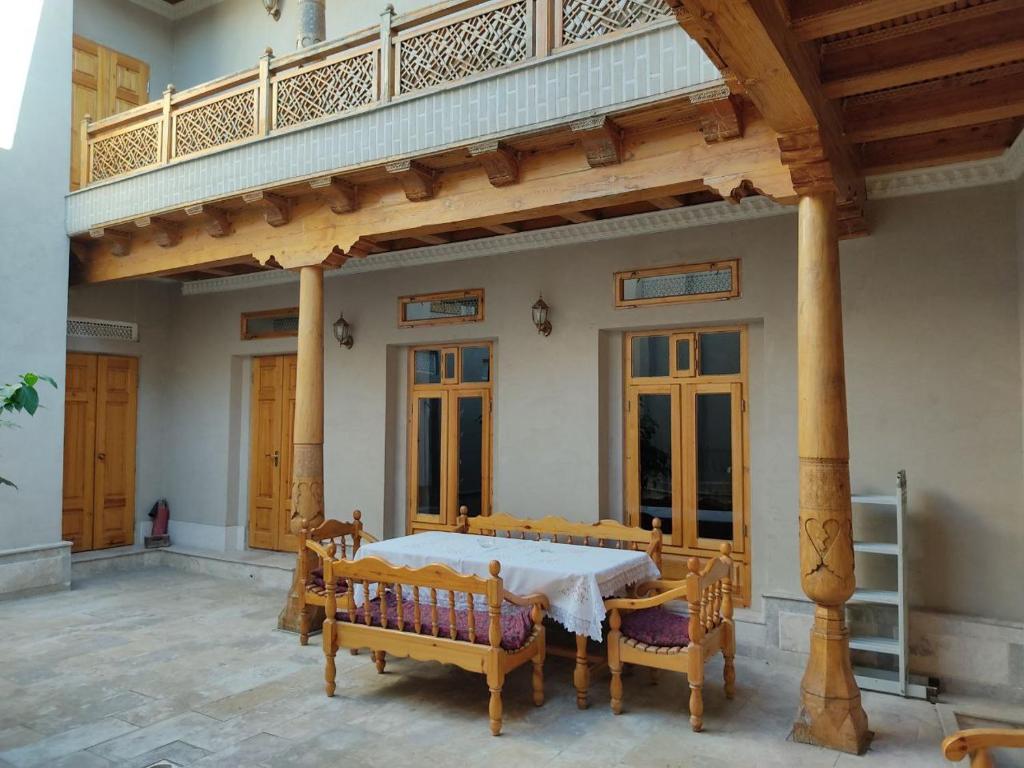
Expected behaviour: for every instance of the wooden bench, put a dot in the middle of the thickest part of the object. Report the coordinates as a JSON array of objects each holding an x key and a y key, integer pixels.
[
  {"x": 650, "y": 636},
  {"x": 346, "y": 538},
  {"x": 604, "y": 533},
  {"x": 977, "y": 742},
  {"x": 395, "y": 610}
]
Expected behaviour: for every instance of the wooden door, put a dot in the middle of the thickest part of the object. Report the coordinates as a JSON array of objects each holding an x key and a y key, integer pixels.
[
  {"x": 79, "y": 450},
  {"x": 103, "y": 83},
  {"x": 114, "y": 480},
  {"x": 270, "y": 454},
  {"x": 100, "y": 407}
]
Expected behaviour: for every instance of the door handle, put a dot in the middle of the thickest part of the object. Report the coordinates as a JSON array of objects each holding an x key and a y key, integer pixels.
[
  {"x": 277, "y": 458},
  {"x": 101, "y": 456}
]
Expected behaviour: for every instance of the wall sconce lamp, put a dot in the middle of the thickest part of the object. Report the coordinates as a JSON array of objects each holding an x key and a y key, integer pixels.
[
  {"x": 540, "y": 316},
  {"x": 273, "y": 7},
  {"x": 343, "y": 331}
]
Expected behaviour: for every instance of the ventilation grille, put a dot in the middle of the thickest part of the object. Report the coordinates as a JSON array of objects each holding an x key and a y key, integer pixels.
[{"x": 87, "y": 328}]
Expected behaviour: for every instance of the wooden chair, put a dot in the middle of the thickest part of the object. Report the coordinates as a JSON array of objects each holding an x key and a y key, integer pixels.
[
  {"x": 346, "y": 537},
  {"x": 385, "y": 610},
  {"x": 604, "y": 533},
  {"x": 650, "y": 636},
  {"x": 976, "y": 742}
]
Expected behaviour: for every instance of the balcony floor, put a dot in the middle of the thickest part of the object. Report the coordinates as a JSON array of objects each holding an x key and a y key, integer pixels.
[{"x": 129, "y": 668}]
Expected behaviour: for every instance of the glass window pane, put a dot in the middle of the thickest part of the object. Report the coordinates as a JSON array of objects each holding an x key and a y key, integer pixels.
[
  {"x": 471, "y": 425},
  {"x": 268, "y": 326},
  {"x": 466, "y": 308},
  {"x": 714, "y": 466},
  {"x": 476, "y": 364},
  {"x": 650, "y": 356},
  {"x": 449, "y": 365},
  {"x": 677, "y": 285},
  {"x": 428, "y": 366},
  {"x": 654, "y": 426},
  {"x": 682, "y": 354},
  {"x": 719, "y": 353},
  {"x": 428, "y": 457}
]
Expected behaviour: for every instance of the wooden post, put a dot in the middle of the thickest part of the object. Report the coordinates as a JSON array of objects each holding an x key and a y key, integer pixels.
[
  {"x": 386, "y": 77},
  {"x": 544, "y": 28},
  {"x": 265, "y": 100},
  {"x": 167, "y": 126},
  {"x": 84, "y": 159},
  {"x": 308, "y": 456},
  {"x": 830, "y": 714}
]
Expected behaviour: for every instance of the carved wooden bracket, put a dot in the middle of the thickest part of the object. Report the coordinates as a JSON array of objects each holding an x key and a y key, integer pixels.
[
  {"x": 363, "y": 247},
  {"x": 804, "y": 153},
  {"x": 417, "y": 180},
  {"x": 277, "y": 210},
  {"x": 80, "y": 251},
  {"x": 341, "y": 196},
  {"x": 500, "y": 162},
  {"x": 720, "y": 119},
  {"x": 166, "y": 233},
  {"x": 336, "y": 258},
  {"x": 120, "y": 242},
  {"x": 601, "y": 140},
  {"x": 851, "y": 221},
  {"x": 218, "y": 224}
]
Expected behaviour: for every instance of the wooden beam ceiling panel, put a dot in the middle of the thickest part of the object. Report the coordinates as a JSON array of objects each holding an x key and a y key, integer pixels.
[
  {"x": 981, "y": 36},
  {"x": 657, "y": 164},
  {"x": 812, "y": 19},
  {"x": 983, "y": 97},
  {"x": 955, "y": 145}
]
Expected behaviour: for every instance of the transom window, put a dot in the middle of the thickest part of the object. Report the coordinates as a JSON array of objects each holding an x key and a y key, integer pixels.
[
  {"x": 684, "y": 282},
  {"x": 686, "y": 436},
  {"x": 441, "y": 308}
]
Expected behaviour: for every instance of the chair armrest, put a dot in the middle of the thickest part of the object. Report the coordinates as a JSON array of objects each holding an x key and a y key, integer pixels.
[
  {"x": 527, "y": 600},
  {"x": 962, "y": 743},
  {"x": 319, "y": 549},
  {"x": 639, "y": 603},
  {"x": 368, "y": 537}
]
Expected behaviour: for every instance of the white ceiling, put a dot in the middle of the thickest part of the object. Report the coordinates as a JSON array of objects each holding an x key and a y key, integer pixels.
[{"x": 178, "y": 10}]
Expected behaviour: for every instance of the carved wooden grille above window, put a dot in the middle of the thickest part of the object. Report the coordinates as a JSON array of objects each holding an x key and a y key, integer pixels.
[
  {"x": 586, "y": 19},
  {"x": 462, "y": 48}
]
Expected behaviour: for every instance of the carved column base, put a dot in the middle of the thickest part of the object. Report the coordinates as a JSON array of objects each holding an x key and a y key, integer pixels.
[
  {"x": 291, "y": 618},
  {"x": 831, "y": 714}
]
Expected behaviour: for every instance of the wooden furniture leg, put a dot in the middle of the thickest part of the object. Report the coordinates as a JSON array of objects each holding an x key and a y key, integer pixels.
[
  {"x": 581, "y": 675},
  {"x": 615, "y": 661},
  {"x": 495, "y": 709},
  {"x": 538, "y": 680},
  {"x": 696, "y": 707},
  {"x": 380, "y": 659}
]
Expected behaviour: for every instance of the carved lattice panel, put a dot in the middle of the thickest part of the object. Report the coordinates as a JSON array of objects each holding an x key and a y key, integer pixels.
[
  {"x": 586, "y": 19},
  {"x": 328, "y": 90},
  {"x": 478, "y": 44},
  {"x": 217, "y": 122},
  {"x": 125, "y": 152}
]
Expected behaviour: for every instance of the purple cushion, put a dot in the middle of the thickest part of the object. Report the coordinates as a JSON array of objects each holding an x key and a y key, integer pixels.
[
  {"x": 317, "y": 577},
  {"x": 656, "y": 626},
  {"x": 516, "y": 624}
]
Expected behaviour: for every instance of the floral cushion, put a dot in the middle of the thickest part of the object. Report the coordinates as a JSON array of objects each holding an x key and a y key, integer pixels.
[
  {"x": 656, "y": 626},
  {"x": 516, "y": 623},
  {"x": 317, "y": 578}
]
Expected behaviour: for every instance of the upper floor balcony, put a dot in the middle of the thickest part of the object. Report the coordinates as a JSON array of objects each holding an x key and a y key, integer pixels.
[{"x": 411, "y": 88}]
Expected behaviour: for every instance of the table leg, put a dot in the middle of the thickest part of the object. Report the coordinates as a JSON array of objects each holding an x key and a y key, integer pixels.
[{"x": 581, "y": 675}]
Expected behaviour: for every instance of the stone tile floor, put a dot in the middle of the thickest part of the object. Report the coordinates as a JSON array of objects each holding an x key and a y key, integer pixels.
[{"x": 133, "y": 667}]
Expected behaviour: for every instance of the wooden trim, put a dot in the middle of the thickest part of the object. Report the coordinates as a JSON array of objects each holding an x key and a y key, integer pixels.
[
  {"x": 681, "y": 269},
  {"x": 404, "y": 301},
  {"x": 246, "y": 335}
]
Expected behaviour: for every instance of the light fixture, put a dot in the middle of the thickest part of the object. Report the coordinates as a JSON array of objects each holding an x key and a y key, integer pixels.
[
  {"x": 343, "y": 331},
  {"x": 273, "y": 7},
  {"x": 540, "y": 316}
]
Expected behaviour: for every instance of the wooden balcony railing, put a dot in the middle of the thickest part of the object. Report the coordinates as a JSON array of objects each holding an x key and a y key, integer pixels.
[{"x": 425, "y": 50}]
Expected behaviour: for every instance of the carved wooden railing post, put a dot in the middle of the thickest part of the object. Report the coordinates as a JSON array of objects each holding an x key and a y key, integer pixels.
[
  {"x": 264, "y": 101},
  {"x": 544, "y": 27},
  {"x": 84, "y": 163},
  {"x": 831, "y": 714},
  {"x": 308, "y": 430},
  {"x": 386, "y": 76},
  {"x": 166, "y": 126}
]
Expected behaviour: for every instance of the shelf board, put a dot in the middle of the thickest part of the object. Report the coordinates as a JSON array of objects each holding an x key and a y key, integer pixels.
[
  {"x": 883, "y": 501},
  {"x": 882, "y": 596},
  {"x": 884, "y": 645},
  {"x": 877, "y": 547}
]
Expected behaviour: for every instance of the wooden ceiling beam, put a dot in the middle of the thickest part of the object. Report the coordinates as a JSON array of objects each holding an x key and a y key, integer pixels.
[
  {"x": 666, "y": 203},
  {"x": 751, "y": 40},
  {"x": 940, "y": 105},
  {"x": 980, "y": 36},
  {"x": 660, "y": 163},
  {"x": 955, "y": 145},
  {"x": 813, "y": 19}
]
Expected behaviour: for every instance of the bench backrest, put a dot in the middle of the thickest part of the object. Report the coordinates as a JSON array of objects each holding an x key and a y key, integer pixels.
[
  {"x": 345, "y": 536},
  {"x": 371, "y": 576},
  {"x": 604, "y": 533}
]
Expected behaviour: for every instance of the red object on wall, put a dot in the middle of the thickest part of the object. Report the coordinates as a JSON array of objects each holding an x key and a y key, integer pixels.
[{"x": 160, "y": 513}]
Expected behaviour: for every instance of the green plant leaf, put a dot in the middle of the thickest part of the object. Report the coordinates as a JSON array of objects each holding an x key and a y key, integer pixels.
[
  {"x": 48, "y": 380},
  {"x": 29, "y": 400},
  {"x": 29, "y": 379},
  {"x": 5, "y": 481}
]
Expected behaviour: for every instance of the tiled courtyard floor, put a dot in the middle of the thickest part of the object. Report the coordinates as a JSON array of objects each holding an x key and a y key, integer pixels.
[{"x": 132, "y": 667}]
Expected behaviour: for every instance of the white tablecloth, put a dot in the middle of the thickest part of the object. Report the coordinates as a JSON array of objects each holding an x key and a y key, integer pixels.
[{"x": 574, "y": 578}]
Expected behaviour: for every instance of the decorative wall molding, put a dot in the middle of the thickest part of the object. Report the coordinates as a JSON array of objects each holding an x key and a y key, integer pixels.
[
  {"x": 518, "y": 242},
  {"x": 178, "y": 10}
]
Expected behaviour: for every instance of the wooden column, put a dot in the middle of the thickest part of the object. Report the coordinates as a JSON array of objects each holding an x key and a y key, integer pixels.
[
  {"x": 308, "y": 459},
  {"x": 830, "y": 713}
]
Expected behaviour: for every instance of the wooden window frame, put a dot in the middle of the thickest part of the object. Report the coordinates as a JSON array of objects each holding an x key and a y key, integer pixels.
[
  {"x": 264, "y": 313},
  {"x": 679, "y": 269},
  {"x": 449, "y": 391},
  {"x": 684, "y": 389},
  {"x": 404, "y": 301}
]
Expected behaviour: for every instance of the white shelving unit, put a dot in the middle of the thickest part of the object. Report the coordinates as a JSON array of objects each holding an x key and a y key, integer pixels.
[{"x": 885, "y": 680}]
